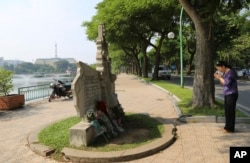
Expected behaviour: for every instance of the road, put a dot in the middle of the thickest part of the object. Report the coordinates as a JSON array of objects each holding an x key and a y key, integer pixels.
[{"x": 243, "y": 102}]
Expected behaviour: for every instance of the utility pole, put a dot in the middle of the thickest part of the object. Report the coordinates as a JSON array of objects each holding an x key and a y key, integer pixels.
[{"x": 181, "y": 53}]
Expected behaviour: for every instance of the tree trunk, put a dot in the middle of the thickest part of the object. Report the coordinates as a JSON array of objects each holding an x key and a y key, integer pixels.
[
  {"x": 145, "y": 65},
  {"x": 178, "y": 71},
  {"x": 158, "y": 57},
  {"x": 203, "y": 87},
  {"x": 136, "y": 66},
  {"x": 190, "y": 61},
  {"x": 156, "y": 68}
]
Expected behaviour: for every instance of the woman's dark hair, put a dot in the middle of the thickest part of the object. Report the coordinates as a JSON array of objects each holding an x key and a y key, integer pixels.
[{"x": 222, "y": 63}]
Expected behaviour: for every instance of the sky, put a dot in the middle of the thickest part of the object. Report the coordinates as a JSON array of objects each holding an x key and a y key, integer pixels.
[{"x": 29, "y": 29}]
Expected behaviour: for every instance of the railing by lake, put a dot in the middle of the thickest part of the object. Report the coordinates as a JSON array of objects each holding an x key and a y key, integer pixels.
[
  {"x": 35, "y": 88},
  {"x": 35, "y": 92}
]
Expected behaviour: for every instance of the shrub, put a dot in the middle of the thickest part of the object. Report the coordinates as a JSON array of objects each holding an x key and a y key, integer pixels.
[{"x": 6, "y": 85}]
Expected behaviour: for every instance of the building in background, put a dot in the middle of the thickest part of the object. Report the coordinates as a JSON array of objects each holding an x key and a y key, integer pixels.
[
  {"x": 9, "y": 62},
  {"x": 52, "y": 61}
]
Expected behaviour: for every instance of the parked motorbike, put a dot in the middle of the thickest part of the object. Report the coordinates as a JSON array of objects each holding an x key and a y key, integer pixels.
[{"x": 60, "y": 89}]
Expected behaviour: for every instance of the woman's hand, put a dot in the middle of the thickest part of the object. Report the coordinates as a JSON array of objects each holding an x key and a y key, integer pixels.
[{"x": 217, "y": 76}]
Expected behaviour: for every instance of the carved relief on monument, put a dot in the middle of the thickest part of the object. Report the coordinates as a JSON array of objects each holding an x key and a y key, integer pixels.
[{"x": 86, "y": 89}]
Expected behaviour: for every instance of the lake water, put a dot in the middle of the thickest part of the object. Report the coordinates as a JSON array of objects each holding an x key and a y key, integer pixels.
[{"x": 30, "y": 80}]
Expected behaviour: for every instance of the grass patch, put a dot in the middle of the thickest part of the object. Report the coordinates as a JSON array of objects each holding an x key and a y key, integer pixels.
[
  {"x": 185, "y": 95},
  {"x": 56, "y": 135}
]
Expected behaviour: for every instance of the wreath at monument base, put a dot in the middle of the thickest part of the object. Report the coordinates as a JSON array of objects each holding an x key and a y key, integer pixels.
[{"x": 106, "y": 123}]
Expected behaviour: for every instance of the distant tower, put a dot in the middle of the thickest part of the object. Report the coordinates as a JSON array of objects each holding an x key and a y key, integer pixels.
[{"x": 56, "y": 50}]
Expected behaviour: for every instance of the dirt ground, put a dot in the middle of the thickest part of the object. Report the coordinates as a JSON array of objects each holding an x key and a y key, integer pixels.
[
  {"x": 131, "y": 135},
  {"x": 134, "y": 132}
]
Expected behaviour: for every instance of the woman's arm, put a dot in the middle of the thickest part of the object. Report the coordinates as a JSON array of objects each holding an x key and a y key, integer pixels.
[{"x": 219, "y": 77}]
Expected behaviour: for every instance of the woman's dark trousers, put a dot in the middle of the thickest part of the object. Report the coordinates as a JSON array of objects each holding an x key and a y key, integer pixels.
[{"x": 230, "y": 104}]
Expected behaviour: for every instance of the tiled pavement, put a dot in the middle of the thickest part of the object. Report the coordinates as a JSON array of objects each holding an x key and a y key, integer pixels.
[{"x": 196, "y": 142}]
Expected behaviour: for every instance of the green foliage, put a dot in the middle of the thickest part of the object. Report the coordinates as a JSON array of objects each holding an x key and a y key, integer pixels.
[
  {"x": 72, "y": 66},
  {"x": 119, "y": 58},
  {"x": 25, "y": 68},
  {"x": 232, "y": 38},
  {"x": 62, "y": 65},
  {"x": 43, "y": 68},
  {"x": 228, "y": 23},
  {"x": 9, "y": 67},
  {"x": 93, "y": 66},
  {"x": 132, "y": 26},
  {"x": 30, "y": 68},
  {"x": 5, "y": 82}
]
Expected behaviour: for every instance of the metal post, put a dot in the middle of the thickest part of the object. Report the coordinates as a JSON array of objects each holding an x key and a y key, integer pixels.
[{"x": 181, "y": 54}]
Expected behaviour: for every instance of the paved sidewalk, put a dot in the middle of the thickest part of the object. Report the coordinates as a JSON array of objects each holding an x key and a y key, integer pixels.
[{"x": 196, "y": 142}]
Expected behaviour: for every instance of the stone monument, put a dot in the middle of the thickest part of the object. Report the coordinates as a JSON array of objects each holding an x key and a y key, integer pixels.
[
  {"x": 91, "y": 89},
  {"x": 103, "y": 65}
]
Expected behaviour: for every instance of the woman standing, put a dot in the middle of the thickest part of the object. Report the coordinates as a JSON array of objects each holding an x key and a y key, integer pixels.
[{"x": 230, "y": 89}]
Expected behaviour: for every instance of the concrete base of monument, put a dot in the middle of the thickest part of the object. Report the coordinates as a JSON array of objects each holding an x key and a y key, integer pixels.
[
  {"x": 81, "y": 134},
  {"x": 75, "y": 155},
  {"x": 168, "y": 137}
]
